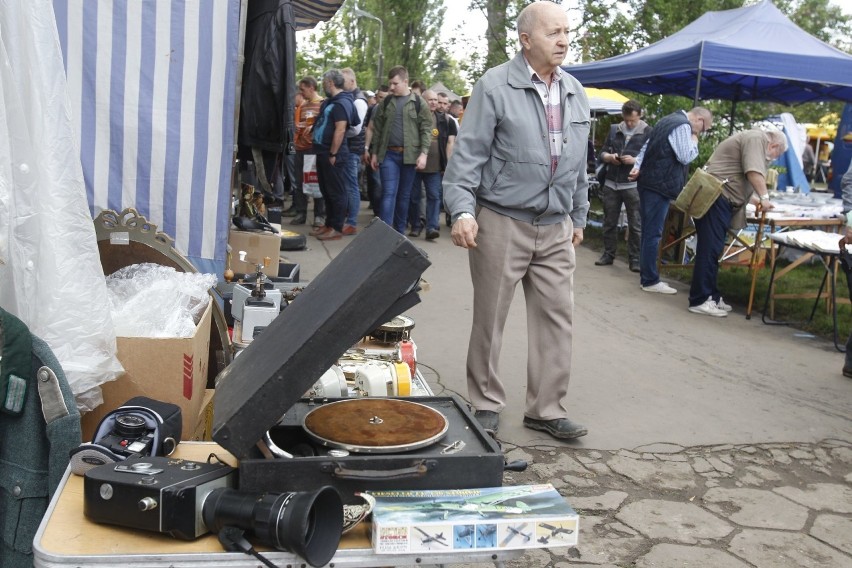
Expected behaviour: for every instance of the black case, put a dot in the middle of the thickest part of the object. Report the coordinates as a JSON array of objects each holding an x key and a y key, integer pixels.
[
  {"x": 370, "y": 282},
  {"x": 478, "y": 464}
]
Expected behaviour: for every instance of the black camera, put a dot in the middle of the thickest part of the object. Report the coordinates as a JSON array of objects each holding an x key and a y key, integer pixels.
[
  {"x": 130, "y": 435},
  {"x": 187, "y": 499}
]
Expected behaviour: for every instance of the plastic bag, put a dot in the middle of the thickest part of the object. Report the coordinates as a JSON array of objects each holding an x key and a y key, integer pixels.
[
  {"x": 151, "y": 300},
  {"x": 50, "y": 268},
  {"x": 310, "y": 181}
]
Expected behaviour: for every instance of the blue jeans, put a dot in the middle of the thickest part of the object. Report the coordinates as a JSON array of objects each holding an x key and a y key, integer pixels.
[
  {"x": 332, "y": 182},
  {"x": 432, "y": 181},
  {"x": 654, "y": 208},
  {"x": 353, "y": 191},
  {"x": 711, "y": 230},
  {"x": 397, "y": 179}
]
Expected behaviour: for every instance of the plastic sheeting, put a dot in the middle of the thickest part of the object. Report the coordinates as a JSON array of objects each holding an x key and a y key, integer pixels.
[{"x": 50, "y": 269}]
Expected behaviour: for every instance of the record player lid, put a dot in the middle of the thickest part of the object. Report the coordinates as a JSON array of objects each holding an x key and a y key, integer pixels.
[
  {"x": 371, "y": 281},
  {"x": 375, "y": 425}
]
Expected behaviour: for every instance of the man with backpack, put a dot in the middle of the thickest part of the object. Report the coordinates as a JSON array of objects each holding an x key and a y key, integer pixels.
[
  {"x": 402, "y": 134},
  {"x": 336, "y": 115}
]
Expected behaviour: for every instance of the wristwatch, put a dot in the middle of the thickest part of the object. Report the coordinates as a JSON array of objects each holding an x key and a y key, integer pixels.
[
  {"x": 465, "y": 216},
  {"x": 332, "y": 155}
]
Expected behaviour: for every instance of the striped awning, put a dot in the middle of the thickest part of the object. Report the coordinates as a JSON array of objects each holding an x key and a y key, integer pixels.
[
  {"x": 310, "y": 12},
  {"x": 152, "y": 88}
]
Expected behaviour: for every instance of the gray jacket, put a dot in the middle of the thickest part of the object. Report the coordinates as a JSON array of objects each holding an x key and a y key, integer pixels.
[{"x": 501, "y": 159}]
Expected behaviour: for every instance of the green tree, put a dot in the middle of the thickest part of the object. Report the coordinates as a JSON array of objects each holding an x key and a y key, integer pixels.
[
  {"x": 611, "y": 28},
  {"x": 501, "y": 33},
  {"x": 409, "y": 36}
]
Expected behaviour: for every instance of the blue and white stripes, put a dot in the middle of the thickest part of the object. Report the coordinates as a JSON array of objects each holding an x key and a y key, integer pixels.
[{"x": 152, "y": 85}]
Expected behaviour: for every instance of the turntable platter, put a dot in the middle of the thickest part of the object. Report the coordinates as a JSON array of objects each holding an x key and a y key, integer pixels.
[
  {"x": 375, "y": 425},
  {"x": 397, "y": 329}
]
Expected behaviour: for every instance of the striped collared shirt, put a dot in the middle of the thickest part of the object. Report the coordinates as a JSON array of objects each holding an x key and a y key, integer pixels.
[{"x": 551, "y": 98}]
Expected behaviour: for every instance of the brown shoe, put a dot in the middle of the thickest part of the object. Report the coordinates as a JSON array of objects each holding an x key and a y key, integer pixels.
[
  {"x": 317, "y": 231},
  {"x": 349, "y": 230},
  {"x": 330, "y": 235}
]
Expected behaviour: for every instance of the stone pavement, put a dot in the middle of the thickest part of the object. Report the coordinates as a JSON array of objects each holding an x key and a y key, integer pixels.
[
  {"x": 712, "y": 442},
  {"x": 727, "y": 506}
]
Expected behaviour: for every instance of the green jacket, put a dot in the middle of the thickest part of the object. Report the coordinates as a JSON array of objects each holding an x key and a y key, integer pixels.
[
  {"x": 40, "y": 425},
  {"x": 416, "y": 128}
]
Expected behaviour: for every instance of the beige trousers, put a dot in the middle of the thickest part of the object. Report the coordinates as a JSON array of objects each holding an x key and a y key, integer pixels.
[{"x": 543, "y": 259}]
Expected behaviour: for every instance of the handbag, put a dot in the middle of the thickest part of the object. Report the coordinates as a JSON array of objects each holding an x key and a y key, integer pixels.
[
  {"x": 141, "y": 426},
  {"x": 699, "y": 193}
]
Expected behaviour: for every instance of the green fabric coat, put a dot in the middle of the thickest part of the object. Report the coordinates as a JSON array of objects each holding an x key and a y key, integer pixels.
[{"x": 39, "y": 426}]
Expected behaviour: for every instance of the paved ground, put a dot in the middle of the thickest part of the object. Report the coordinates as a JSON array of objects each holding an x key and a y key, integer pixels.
[{"x": 712, "y": 442}]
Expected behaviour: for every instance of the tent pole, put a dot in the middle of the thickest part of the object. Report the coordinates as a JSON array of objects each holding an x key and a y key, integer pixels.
[
  {"x": 733, "y": 112},
  {"x": 697, "y": 90}
]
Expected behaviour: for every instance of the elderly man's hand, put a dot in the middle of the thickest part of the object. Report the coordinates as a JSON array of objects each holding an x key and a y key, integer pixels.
[
  {"x": 846, "y": 239},
  {"x": 577, "y": 237},
  {"x": 464, "y": 233}
]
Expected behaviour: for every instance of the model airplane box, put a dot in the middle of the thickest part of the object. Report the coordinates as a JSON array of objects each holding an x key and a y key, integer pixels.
[{"x": 496, "y": 518}]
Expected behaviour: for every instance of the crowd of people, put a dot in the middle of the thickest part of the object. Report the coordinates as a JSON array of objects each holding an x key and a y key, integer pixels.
[
  {"x": 514, "y": 185},
  {"x": 400, "y": 137}
]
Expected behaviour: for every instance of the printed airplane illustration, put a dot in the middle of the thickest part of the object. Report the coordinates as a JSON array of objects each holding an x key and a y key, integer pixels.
[
  {"x": 556, "y": 531},
  {"x": 481, "y": 505},
  {"x": 429, "y": 539},
  {"x": 487, "y": 535},
  {"x": 465, "y": 533},
  {"x": 543, "y": 539},
  {"x": 487, "y": 531},
  {"x": 516, "y": 531}
]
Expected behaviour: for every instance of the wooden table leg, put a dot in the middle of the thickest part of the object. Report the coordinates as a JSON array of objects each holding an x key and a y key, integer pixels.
[{"x": 758, "y": 242}]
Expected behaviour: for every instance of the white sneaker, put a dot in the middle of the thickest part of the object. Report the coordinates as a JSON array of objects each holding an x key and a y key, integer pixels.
[
  {"x": 319, "y": 221},
  {"x": 659, "y": 288},
  {"x": 722, "y": 305},
  {"x": 708, "y": 308}
]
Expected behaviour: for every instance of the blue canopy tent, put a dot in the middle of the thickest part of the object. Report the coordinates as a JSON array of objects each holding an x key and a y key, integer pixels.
[{"x": 753, "y": 53}]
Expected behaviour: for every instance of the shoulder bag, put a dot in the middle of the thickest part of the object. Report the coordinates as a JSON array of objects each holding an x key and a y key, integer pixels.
[{"x": 699, "y": 193}]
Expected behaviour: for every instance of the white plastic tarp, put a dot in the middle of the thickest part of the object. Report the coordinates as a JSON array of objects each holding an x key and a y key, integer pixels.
[{"x": 50, "y": 269}]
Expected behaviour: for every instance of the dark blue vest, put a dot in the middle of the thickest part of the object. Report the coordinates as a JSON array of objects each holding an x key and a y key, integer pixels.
[{"x": 661, "y": 171}]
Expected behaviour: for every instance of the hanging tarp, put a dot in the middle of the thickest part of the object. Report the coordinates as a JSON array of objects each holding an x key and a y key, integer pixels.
[
  {"x": 153, "y": 96},
  {"x": 310, "y": 12},
  {"x": 50, "y": 269}
]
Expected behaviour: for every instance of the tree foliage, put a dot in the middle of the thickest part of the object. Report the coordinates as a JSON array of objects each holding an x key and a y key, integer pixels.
[
  {"x": 500, "y": 33},
  {"x": 610, "y": 27},
  {"x": 409, "y": 36}
]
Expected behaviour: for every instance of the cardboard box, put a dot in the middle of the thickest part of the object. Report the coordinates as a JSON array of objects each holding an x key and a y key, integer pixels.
[
  {"x": 203, "y": 431},
  {"x": 166, "y": 369},
  {"x": 494, "y": 518},
  {"x": 258, "y": 246}
]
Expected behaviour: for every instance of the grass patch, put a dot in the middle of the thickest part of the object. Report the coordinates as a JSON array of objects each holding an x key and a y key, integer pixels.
[{"x": 735, "y": 282}]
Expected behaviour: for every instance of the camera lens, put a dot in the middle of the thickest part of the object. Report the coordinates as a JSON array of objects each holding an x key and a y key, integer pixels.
[
  {"x": 307, "y": 523},
  {"x": 129, "y": 426}
]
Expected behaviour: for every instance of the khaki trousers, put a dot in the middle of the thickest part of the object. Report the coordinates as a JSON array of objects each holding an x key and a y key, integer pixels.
[{"x": 543, "y": 259}]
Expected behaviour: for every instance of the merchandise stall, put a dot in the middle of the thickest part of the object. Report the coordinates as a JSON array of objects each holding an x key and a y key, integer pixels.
[
  {"x": 67, "y": 538},
  {"x": 323, "y": 364}
]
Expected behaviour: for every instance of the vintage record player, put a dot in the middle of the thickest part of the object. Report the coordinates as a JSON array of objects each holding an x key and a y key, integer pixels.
[{"x": 287, "y": 443}]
